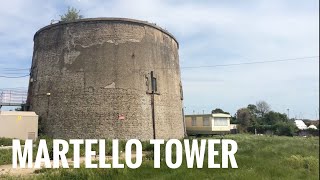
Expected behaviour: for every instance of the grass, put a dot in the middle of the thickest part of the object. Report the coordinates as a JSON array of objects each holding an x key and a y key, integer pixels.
[
  {"x": 258, "y": 157},
  {"x": 5, "y": 156},
  {"x": 7, "y": 141}
]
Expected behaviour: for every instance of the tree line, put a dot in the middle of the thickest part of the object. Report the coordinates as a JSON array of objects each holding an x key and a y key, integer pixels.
[{"x": 260, "y": 119}]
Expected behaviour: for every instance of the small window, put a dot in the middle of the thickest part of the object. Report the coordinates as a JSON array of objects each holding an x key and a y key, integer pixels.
[
  {"x": 206, "y": 121},
  {"x": 220, "y": 121},
  {"x": 181, "y": 91},
  {"x": 154, "y": 84},
  {"x": 194, "y": 121}
]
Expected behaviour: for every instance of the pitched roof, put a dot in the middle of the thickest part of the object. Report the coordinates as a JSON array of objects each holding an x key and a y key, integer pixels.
[{"x": 300, "y": 124}]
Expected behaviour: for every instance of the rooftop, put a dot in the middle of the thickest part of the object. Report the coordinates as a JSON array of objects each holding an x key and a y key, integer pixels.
[
  {"x": 110, "y": 19},
  {"x": 18, "y": 113}
]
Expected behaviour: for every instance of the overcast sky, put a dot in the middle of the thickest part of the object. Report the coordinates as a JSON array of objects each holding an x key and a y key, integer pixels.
[{"x": 210, "y": 33}]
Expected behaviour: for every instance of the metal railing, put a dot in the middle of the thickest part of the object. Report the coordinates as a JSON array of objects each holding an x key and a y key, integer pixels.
[{"x": 13, "y": 97}]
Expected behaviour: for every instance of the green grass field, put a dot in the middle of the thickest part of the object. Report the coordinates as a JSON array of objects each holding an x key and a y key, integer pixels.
[{"x": 258, "y": 157}]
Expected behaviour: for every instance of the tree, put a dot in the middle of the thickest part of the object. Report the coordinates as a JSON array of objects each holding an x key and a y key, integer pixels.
[
  {"x": 71, "y": 15},
  {"x": 218, "y": 110},
  {"x": 262, "y": 108},
  {"x": 244, "y": 118},
  {"x": 233, "y": 119},
  {"x": 254, "y": 115},
  {"x": 272, "y": 118},
  {"x": 252, "y": 108},
  {"x": 285, "y": 128}
]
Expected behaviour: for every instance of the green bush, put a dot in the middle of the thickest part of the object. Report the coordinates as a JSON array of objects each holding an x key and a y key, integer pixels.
[
  {"x": 261, "y": 129},
  {"x": 281, "y": 128},
  {"x": 285, "y": 129},
  {"x": 5, "y": 142},
  {"x": 313, "y": 132},
  {"x": 309, "y": 163},
  {"x": 8, "y": 141}
]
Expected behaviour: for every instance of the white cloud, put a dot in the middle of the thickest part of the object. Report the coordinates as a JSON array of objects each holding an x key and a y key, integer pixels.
[{"x": 209, "y": 32}]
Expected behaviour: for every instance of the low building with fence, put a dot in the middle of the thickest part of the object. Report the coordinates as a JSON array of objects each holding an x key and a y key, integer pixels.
[{"x": 19, "y": 124}]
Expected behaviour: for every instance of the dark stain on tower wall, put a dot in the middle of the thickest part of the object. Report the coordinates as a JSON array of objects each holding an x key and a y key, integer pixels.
[{"x": 91, "y": 78}]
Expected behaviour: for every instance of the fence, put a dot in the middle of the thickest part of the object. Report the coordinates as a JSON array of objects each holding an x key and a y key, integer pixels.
[{"x": 13, "y": 97}]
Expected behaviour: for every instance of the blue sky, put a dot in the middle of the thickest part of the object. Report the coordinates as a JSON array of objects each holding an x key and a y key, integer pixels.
[{"x": 210, "y": 33}]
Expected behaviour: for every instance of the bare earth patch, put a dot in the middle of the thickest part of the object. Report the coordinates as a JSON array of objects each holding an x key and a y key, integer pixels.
[{"x": 8, "y": 170}]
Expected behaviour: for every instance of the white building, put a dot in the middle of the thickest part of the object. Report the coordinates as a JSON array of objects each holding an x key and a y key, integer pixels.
[
  {"x": 312, "y": 127},
  {"x": 300, "y": 124}
]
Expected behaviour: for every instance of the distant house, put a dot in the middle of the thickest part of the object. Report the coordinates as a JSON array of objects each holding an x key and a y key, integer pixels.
[
  {"x": 312, "y": 127},
  {"x": 207, "y": 124},
  {"x": 300, "y": 124}
]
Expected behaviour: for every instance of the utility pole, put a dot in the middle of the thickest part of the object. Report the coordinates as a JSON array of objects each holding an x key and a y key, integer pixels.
[
  {"x": 152, "y": 105},
  {"x": 153, "y": 116},
  {"x": 288, "y": 113},
  {"x": 154, "y": 90}
]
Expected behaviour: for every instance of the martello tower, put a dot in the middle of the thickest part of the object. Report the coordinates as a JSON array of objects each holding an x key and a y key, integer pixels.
[{"x": 106, "y": 78}]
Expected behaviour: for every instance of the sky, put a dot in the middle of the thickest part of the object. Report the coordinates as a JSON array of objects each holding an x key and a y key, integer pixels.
[{"x": 210, "y": 32}]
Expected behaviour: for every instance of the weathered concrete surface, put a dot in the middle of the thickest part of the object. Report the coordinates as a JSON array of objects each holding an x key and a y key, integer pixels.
[{"x": 98, "y": 69}]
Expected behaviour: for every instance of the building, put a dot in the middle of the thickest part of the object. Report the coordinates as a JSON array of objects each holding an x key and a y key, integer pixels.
[
  {"x": 300, "y": 124},
  {"x": 312, "y": 127},
  {"x": 106, "y": 78},
  {"x": 207, "y": 124},
  {"x": 18, "y": 124}
]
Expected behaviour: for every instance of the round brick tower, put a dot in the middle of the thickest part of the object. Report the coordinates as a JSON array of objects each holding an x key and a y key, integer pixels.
[{"x": 106, "y": 78}]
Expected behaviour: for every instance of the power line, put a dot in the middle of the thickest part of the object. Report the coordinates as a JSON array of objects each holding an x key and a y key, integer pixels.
[
  {"x": 13, "y": 88},
  {"x": 14, "y": 76},
  {"x": 194, "y": 67},
  {"x": 15, "y": 73},
  {"x": 255, "y": 62},
  {"x": 16, "y": 68}
]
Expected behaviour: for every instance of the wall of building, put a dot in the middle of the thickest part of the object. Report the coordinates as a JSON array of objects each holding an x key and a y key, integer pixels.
[
  {"x": 18, "y": 124},
  {"x": 199, "y": 128},
  {"x": 221, "y": 128},
  {"x": 99, "y": 69}
]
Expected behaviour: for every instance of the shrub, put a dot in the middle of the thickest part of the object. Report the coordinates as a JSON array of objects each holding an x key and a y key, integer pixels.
[
  {"x": 5, "y": 142},
  {"x": 313, "y": 132},
  {"x": 8, "y": 141},
  {"x": 285, "y": 129},
  {"x": 72, "y": 15}
]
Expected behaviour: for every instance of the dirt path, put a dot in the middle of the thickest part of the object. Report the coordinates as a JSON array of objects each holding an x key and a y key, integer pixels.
[
  {"x": 8, "y": 147},
  {"x": 8, "y": 170}
]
